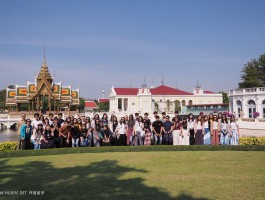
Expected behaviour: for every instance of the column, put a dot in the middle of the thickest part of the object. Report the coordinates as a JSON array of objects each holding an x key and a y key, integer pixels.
[
  {"x": 17, "y": 108},
  {"x": 122, "y": 103},
  {"x": 54, "y": 106},
  {"x": 49, "y": 103},
  {"x": 29, "y": 106},
  {"x": 38, "y": 104}
]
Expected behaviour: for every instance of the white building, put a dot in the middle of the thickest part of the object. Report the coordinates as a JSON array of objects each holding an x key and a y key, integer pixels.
[
  {"x": 249, "y": 100},
  {"x": 161, "y": 98}
]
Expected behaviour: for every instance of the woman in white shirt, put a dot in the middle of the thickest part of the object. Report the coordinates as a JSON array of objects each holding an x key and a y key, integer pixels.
[
  {"x": 122, "y": 129},
  {"x": 215, "y": 131},
  {"x": 224, "y": 128},
  {"x": 206, "y": 131},
  {"x": 198, "y": 126},
  {"x": 139, "y": 135},
  {"x": 234, "y": 132},
  {"x": 191, "y": 129}
]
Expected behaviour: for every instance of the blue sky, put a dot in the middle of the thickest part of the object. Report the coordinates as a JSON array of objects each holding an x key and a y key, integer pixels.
[{"x": 96, "y": 44}]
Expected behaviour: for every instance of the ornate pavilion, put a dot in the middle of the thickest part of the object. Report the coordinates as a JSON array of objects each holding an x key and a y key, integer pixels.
[{"x": 44, "y": 87}]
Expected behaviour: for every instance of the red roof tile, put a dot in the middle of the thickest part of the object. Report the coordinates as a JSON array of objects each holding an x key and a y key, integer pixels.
[
  {"x": 165, "y": 90},
  {"x": 126, "y": 91},
  {"x": 103, "y": 100},
  {"x": 90, "y": 104},
  {"x": 208, "y": 92}
]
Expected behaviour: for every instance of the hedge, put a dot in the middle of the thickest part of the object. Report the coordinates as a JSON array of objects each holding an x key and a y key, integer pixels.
[
  {"x": 252, "y": 140},
  {"x": 7, "y": 154},
  {"x": 8, "y": 146}
]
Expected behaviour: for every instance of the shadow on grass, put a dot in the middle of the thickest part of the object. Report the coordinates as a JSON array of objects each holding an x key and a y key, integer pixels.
[{"x": 99, "y": 180}]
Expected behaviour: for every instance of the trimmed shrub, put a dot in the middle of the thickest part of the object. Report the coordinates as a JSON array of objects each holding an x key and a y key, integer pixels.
[
  {"x": 8, "y": 146},
  {"x": 43, "y": 152},
  {"x": 252, "y": 140}
]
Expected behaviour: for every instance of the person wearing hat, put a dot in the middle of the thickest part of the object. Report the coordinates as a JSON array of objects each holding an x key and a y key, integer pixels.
[{"x": 25, "y": 135}]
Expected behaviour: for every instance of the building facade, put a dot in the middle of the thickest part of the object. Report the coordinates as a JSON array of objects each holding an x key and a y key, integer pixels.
[
  {"x": 44, "y": 87},
  {"x": 245, "y": 102},
  {"x": 162, "y": 99}
]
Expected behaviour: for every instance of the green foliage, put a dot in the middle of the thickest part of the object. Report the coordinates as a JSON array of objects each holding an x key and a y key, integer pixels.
[
  {"x": 169, "y": 103},
  {"x": 252, "y": 140},
  {"x": 253, "y": 73},
  {"x": 177, "y": 105},
  {"x": 156, "y": 106},
  {"x": 8, "y": 146},
  {"x": 103, "y": 106},
  {"x": 225, "y": 97},
  {"x": 2, "y": 100},
  {"x": 81, "y": 104},
  {"x": 59, "y": 151}
]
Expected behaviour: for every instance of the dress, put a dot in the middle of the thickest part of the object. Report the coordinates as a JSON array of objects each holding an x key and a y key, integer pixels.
[
  {"x": 234, "y": 134},
  {"x": 207, "y": 134}
]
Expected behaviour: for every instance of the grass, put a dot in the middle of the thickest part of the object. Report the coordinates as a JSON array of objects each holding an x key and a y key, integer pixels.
[{"x": 137, "y": 175}]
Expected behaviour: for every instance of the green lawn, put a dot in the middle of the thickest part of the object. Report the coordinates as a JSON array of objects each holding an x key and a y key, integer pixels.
[{"x": 137, "y": 175}]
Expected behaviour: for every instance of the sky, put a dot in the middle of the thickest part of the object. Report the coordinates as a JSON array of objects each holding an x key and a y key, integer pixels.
[{"x": 97, "y": 44}]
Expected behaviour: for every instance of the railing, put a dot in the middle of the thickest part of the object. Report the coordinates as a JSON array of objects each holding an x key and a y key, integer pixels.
[{"x": 248, "y": 91}]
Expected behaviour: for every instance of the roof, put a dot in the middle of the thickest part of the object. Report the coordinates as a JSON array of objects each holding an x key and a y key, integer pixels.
[
  {"x": 160, "y": 90},
  {"x": 90, "y": 104},
  {"x": 213, "y": 104},
  {"x": 103, "y": 100},
  {"x": 165, "y": 90},
  {"x": 209, "y": 92},
  {"x": 126, "y": 91}
]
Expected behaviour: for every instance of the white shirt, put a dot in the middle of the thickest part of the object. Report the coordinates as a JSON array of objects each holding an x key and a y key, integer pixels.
[
  {"x": 138, "y": 126},
  {"x": 233, "y": 125},
  {"x": 190, "y": 125},
  {"x": 35, "y": 123},
  {"x": 122, "y": 128},
  {"x": 206, "y": 124},
  {"x": 215, "y": 125}
]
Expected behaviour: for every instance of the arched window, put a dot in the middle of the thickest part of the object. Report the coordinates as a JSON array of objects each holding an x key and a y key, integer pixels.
[
  {"x": 263, "y": 108},
  {"x": 239, "y": 108},
  {"x": 251, "y": 108},
  {"x": 190, "y": 103},
  {"x": 183, "y": 103}
]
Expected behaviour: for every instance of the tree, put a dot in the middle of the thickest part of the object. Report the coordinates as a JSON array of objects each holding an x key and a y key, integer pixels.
[
  {"x": 177, "y": 105},
  {"x": 81, "y": 104},
  {"x": 253, "y": 73},
  {"x": 2, "y": 100},
  {"x": 103, "y": 106},
  {"x": 225, "y": 97},
  {"x": 169, "y": 103}
]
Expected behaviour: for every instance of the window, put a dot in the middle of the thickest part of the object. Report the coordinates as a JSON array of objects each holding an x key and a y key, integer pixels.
[
  {"x": 239, "y": 107},
  {"x": 251, "y": 108},
  {"x": 263, "y": 108}
]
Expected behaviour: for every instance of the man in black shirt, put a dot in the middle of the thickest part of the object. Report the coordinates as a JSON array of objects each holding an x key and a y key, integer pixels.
[
  {"x": 157, "y": 128},
  {"x": 176, "y": 116}
]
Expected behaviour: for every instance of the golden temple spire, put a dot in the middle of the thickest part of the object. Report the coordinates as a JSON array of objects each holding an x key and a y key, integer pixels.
[{"x": 44, "y": 56}]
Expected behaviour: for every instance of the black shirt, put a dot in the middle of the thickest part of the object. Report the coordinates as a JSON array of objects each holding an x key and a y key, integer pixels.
[{"x": 157, "y": 125}]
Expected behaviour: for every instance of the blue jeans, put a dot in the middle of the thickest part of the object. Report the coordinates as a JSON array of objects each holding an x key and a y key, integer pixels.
[
  {"x": 224, "y": 139},
  {"x": 36, "y": 145},
  {"x": 158, "y": 139},
  {"x": 75, "y": 142}
]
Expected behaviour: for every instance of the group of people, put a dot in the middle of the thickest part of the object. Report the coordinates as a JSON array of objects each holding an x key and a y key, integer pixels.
[{"x": 132, "y": 130}]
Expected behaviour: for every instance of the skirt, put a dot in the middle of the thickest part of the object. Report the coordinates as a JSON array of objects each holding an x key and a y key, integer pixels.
[{"x": 199, "y": 137}]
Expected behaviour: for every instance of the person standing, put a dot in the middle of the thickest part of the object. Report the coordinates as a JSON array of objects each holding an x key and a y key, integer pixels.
[
  {"x": 37, "y": 136},
  {"x": 131, "y": 130},
  {"x": 215, "y": 131},
  {"x": 60, "y": 117},
  {"x": 167, "y": 131},
  {"x": 19, "y": 124},
  {"x": 224, "y": 128},
  {"x": 234, "y": 132},
  {"x": 147, "y": 131},
  {"x": 185, "y": 131},
  {"x": 122, "y": 129},
  {"x": 177, "y": 134},
  {"x": 25, "y": 135},
  {"x": 191, "y": 129},
  {"x": 206, "y": 131},
  {"x": 157, "y": 127},
  {"x": 139, "y": 125},
  {"x": 198, "y": 126}
]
